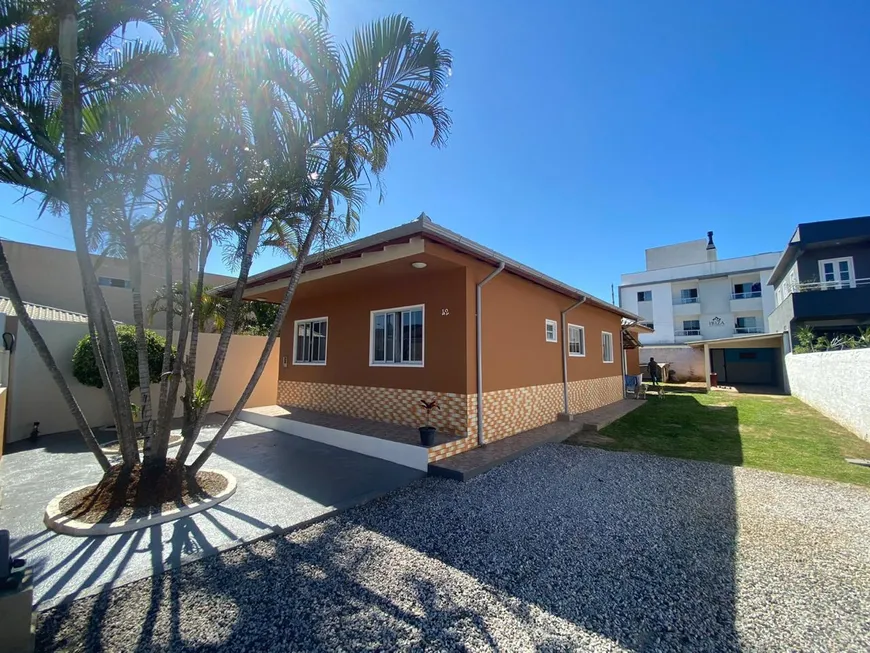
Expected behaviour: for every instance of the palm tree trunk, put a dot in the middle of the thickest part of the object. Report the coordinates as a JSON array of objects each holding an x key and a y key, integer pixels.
[
  {"x": 67, "y": 11},
  {"x": 161, "y": 444},
  {"x": 170, "y": 220},
  {"x": 253, "y": 240},
  {"x": 223, "y": 345},
  {"x": 135, "y": 263},
  {"x": 274, "y": 331},
  {"x": 189, "y": 430},
  {"x": 48, "y": 359}
]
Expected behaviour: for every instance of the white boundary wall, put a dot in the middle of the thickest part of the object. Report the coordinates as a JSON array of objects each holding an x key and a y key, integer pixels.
[
  {"x": 835, "y": 384},
  {"x": 34, "y": 397}
]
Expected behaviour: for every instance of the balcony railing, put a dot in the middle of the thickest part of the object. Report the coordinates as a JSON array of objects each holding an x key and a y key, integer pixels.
[
  {"x": 746, "y": 295},
  {"x": 688, "y": 332},
  {"x": 748, "y": 329},
  {"x": 686, "y": 300},
  {"x": 829, "y": 285}
]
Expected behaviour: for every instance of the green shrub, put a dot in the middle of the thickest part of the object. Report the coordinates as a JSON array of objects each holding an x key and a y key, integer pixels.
[
  {"x": 85, "y": 365},
  {"x": 808, "y": 342}
]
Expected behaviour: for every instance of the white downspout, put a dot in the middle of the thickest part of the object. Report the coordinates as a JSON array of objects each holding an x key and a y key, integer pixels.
[
  {"x": 479, "y": 308},
  {"x": 565, "y": 353}
]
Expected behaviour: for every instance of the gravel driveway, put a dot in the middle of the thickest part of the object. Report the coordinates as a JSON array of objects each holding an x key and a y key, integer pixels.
[{"x": 564, "y": 549}]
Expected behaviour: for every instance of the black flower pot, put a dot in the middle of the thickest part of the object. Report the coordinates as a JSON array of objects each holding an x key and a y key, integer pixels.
[{"x": 427, "y": 436}]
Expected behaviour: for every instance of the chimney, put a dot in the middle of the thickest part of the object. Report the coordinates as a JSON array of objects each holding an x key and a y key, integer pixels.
[{"x": 711, "y": 248}]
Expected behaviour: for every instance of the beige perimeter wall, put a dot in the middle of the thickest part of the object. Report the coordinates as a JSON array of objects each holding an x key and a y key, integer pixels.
[{"x": 33, "y": 395}]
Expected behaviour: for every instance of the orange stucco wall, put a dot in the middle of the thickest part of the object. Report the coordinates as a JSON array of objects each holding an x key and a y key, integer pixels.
[
  {"x": 515, "y": 351},
  {"x": 442, "y": 292}
]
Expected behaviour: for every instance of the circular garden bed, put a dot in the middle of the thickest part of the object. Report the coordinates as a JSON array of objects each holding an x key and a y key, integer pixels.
[{"x": 145, "y": 495}]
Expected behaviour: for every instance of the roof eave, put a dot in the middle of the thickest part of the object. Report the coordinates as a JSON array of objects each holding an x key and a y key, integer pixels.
[{"x": 437, "y": 233}]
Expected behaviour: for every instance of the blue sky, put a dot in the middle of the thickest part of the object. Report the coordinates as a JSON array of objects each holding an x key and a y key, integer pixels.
[{"x": 587, "y": 131}]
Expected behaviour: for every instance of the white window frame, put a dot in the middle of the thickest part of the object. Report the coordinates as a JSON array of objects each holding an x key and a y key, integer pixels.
[
  {"x": 835, "y": 262},
  {"x": 399, "y": 309},
  {"x": 604, "y": 335},
  {"x": 582, "y": 331},
  {"x": 296, "y": 340},
  {"x": 547, "y": 325},
  {"x": 639, "y": 292}
]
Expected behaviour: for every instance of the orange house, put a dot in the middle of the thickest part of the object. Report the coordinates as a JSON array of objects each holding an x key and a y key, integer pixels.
[{"x": 419, "y": 312}]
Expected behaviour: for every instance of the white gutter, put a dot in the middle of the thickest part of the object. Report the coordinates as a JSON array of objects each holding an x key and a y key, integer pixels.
[
  {"x": 565, "y": 352},
  {"x": 479, "y": 308}
]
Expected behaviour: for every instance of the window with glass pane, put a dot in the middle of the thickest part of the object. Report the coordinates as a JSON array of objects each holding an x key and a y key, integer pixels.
[
  {"x": 576, "y": 340},
  {"x": 746, "y": 323},
  {"x": 551, "y": 329},
  {"x": 689, "y": 295},
  {"x": 644, "y": 296},
  {"x": 397, "y": 336},
  {"x": 607, "y": 347},
  {"x": 691, "y": 325},
  {"x": 844, "y": 270},
  {"x": 310, "y": 342}
]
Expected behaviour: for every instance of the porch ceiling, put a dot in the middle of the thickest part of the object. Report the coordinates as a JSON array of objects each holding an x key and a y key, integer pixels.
[{"x": 359, "y": 277}]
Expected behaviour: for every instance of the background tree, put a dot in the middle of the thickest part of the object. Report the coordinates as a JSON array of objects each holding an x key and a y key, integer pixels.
[
  {"x": 235, "y": 122},
  {"x": 84, "y": 363},
  {"x": 387, "y": 78}
]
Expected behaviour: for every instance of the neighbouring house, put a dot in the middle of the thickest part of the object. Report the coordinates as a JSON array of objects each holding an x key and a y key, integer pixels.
[
  {"x": 420, "y": 312},
  {"x": 50, "y": 277},
  {"x": 822, "y": 279},
  {"x": 28, "y": 393},
  {"x": 690, "y": 296}
]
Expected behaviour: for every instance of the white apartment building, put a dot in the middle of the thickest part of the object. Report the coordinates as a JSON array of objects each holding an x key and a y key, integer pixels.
[{"x": 687, "y": 294}]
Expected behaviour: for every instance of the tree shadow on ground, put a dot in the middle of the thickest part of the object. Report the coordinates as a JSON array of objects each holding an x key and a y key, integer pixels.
[
  {"x": 559, "y": 550},
  {"x": 324, "y": 474},
  {"x": 275, "y": 595}
]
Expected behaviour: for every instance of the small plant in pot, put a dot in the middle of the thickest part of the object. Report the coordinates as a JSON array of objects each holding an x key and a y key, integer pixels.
[{"x": 427, "y": 433}]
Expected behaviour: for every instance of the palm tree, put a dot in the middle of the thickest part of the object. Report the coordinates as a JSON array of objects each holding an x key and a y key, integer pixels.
[
  {"x": 44, "y": 143},
  {"x": 387, "y": 78},
  {"x": 186, "y": 81}
]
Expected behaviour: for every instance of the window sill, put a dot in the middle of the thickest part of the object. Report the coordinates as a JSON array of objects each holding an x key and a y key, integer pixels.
[
  {"x": 553, "y": 341},
  {"x": 570, "y": 355},
  {"x": 608, "y": 362},
  {"x": 395, "y": 364},
  {"x": 323, "y": 364}
]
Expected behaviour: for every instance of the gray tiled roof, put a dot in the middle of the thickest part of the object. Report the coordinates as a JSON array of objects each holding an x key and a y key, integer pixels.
[{"x": 37, "y": 312}]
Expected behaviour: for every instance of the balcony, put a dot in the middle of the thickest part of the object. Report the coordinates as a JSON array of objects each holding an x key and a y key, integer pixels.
[
  {"x": 831, "y": 285},
  {"x": 828, "y": 300},
  {"x": 748, "y": 329},
  {"x": 687, "y": 332},
  {"x": 746, "y": 301},
  {"x": 687, "y": 306}
]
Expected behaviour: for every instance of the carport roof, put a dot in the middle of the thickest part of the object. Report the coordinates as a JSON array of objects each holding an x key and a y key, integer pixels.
[{"x": 748, "y": 338}]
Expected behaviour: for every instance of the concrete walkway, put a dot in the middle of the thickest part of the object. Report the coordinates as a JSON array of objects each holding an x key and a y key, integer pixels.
[
  {"x": 477, "y": 461},
  {"x": 284, "y": 481}
]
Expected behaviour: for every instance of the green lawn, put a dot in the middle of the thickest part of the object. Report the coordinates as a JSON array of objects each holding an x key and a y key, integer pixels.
[{"x": 780, "y": 434}]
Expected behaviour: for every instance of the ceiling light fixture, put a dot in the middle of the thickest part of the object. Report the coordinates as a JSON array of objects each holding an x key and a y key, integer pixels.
[{"x": 418, "y": 264}]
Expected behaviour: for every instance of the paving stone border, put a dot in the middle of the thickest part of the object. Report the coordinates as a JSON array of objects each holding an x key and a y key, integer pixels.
[
  {"x": 57, "y": 521},
  {"x": 174, "y": 441}
]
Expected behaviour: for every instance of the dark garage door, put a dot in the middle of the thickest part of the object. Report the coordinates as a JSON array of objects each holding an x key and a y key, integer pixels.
[{"x": 746, "y": 366}]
